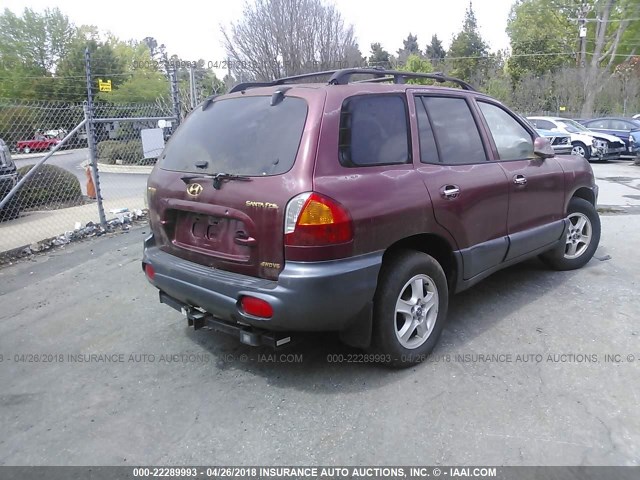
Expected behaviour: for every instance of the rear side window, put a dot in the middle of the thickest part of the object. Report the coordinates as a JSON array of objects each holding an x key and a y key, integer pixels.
[
  {"x": 373, "y": 131},
  {"x": 245, "y": 136},
  {"x": 512, "y": 140},
  {"x": 455, "y": 130}
]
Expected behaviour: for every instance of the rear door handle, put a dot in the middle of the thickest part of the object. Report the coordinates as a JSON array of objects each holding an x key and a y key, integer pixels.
[
  {"x": 520, "y": 180},
  {"x": 450, "y": 191}
]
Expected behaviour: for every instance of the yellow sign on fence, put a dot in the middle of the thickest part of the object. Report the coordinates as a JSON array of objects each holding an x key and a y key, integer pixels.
[{"x": 104, "y": 86}]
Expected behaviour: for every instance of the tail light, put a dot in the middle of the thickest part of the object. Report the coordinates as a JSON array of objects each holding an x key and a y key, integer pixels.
[
  {"x": 312, "y": 219},
  {"x": 150, "y": 271},
  {"x": 256, "y": 307}
]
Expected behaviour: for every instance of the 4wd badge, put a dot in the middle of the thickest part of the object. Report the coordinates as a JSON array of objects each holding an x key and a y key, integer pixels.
[{"x": 194, "y": 189}]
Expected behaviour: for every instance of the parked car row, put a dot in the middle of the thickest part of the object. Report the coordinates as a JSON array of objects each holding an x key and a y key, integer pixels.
[
  {"x": 626, "y": 129},
  {"x": 596, "y": 139}
]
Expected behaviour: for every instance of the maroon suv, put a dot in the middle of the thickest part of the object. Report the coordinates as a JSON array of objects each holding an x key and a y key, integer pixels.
[{"x": 355, "y": 206}]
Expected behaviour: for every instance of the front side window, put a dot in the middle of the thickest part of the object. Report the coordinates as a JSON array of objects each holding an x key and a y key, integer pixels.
[
  {"x": 598, "y": 124},
  {"x": 373, "y": 131},
  {"x": 512, "y": 140}
]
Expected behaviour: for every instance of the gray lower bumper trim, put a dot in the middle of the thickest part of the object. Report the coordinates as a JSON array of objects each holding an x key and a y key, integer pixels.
[{"x": 314, "y": 296}]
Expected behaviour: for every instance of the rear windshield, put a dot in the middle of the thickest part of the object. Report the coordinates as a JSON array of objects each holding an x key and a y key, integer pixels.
[{"x": 244, "y": 136}]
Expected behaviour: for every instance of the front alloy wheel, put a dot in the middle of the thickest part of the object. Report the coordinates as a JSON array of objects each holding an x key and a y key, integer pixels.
[
  {"x": 582, "y": 239},
  {"x": 581, "y": 150},
  {"x": 578, "y": 235}
]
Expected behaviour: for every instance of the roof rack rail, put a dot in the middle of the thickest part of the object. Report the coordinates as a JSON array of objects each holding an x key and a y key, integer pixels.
[
  {"x": 280, "y": 81},
  {"x": 342, "y": 77}
]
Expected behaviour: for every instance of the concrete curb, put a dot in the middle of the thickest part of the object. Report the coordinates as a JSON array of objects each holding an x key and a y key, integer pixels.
[
  {"x": 105, "y": 168},
  {"x": 25, "y": 156}
]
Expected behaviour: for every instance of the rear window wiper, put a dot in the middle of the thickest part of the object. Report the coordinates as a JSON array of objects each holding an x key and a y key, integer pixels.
[{"x": 218, "y": 178}]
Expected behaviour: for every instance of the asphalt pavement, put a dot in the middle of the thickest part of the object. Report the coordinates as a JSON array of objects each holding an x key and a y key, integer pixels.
[{"x": 534, "y": 367}]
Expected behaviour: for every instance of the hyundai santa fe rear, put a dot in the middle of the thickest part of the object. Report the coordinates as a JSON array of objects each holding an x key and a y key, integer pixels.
[{"x": 355, "y": 207}]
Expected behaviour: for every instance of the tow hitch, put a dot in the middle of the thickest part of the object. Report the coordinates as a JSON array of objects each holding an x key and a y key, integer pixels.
[{"x": 246, "y": 334}]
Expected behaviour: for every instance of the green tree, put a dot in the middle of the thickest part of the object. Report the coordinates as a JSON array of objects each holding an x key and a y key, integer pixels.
[
  {"x": 38, "y": 40},
  {"x": 542, "y": 37},
  {"x": 105, "y": 65},
  {"x": 410, "y": 48},
  {"x": 31, "y": 45},
  {"x": 379, "y": 56},
  {"x": 146, "y": 81},
  {"x": 469, "y": 52},
  {"x": 435, "y": 52},
  {"x": 417, "y": 64}
]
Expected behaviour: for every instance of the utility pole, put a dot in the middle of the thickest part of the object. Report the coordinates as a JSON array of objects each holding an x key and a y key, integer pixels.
[{"x": 582, "y": 34}]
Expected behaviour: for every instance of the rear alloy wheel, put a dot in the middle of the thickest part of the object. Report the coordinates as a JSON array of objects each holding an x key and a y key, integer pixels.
[
  {"x": 410, "y": 307},
  {"x": 581, "y": 150},
  {"x": 582, "y": 239},
  {"x": 26, "y": 150}
]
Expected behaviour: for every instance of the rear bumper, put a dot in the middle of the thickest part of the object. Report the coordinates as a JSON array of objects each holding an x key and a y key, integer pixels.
[{"x": 316, "y": 296}]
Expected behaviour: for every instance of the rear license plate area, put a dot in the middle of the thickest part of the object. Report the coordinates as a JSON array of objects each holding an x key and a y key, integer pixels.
[{"x": 211, "y": 235}]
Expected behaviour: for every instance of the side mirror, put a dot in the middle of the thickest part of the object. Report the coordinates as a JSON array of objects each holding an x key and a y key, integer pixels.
[{"x": 542, "y": 148}]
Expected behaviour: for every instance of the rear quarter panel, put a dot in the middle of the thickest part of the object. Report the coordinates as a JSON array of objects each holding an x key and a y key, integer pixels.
[{"x": 386, "y": 203}]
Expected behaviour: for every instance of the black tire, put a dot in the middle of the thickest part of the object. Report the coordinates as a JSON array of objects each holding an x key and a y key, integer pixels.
[
  {"x": 397, "y": 270},
  {"x": 559, "y": 258},
  {"x": 587, "y": 152}
]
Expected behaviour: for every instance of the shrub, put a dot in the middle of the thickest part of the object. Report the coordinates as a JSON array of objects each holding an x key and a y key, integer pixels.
[
  {"x": 107, "y": 150},
  {"x": 129, "y": 151},
  {"x": 49, "y": 186}
]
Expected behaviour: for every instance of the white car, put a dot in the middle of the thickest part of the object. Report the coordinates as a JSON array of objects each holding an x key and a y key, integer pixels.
[{"x": 586, "y": 143}]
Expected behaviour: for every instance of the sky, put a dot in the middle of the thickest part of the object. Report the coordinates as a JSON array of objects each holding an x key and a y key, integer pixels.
[{"x": 191, "y": 28}]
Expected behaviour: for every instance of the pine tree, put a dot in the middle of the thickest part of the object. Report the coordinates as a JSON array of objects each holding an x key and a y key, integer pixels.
[
  {"x": 435, "y": 52},
  {"x": 410, "y": 48},
  {"x": 468, "y": 51}
]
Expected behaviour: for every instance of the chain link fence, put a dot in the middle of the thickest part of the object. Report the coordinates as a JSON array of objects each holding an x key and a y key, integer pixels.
[
  {"x": 47, "y": 200},
  {"x": 72, "y": 170}
]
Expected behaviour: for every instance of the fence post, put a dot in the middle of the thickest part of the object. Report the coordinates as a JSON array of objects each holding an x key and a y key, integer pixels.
[
  {"x": 173, "y": 80},
  {"x": 91, "y": 139}
]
